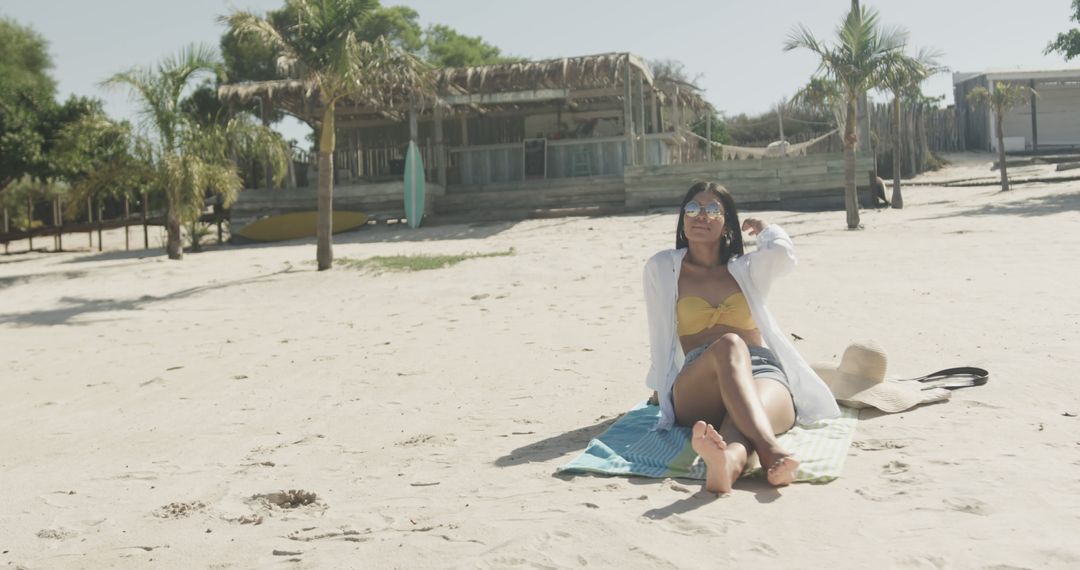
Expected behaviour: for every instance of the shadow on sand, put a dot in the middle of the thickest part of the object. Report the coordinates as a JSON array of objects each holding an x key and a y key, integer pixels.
[
  {"x": 555, "y": 446},
  {"x": 78, "y": 306},
  {"x": 371, "y": 233},
  {"x": 1023, "y": 206}
]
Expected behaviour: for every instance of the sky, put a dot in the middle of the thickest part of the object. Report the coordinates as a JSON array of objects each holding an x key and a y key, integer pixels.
[{"x": 736, "y": 46}]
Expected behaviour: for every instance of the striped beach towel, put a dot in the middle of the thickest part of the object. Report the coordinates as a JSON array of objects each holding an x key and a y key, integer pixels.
[{"x": 631, "y": 447}]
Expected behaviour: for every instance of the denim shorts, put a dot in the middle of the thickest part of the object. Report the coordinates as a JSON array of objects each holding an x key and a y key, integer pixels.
[{"x": 763, "y": 363}]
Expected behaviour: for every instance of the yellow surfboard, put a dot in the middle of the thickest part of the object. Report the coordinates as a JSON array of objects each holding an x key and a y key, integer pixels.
[{"x": 297, "y": 225}]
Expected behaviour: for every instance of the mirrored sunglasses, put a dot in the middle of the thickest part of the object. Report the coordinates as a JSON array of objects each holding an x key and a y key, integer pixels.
[{"x": 712, "y": 210}]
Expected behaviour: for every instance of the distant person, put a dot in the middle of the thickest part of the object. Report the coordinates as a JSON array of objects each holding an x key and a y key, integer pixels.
[
  {"x": 878, "y": 191},
  {"x": 742, "y": 382}
]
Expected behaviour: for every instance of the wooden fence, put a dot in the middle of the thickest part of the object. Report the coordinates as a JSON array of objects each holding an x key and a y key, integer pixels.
[
  {"x": 768, "y": 180},
  {"x": 380, "y": 200},
  {"x": 923, "y": 129},
  {"x": 764, "y": 182}
]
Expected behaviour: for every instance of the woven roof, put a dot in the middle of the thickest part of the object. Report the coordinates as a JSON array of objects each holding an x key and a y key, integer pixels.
[{"x": 592, "y": 72}]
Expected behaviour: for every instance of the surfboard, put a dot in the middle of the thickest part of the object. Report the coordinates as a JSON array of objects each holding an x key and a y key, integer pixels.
[
  {"x": 414, "y": 186},
  {"x": 298, "y": 225}
]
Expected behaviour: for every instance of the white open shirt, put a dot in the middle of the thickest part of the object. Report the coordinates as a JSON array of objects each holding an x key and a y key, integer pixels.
[{"x": 754, "y": 272}]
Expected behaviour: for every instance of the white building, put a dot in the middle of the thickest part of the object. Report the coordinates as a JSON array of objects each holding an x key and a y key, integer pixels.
[{"x": 1049, "y": 121}]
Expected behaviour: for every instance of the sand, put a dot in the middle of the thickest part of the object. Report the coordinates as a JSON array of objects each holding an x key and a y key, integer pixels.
[{"x": 239, "y": 409}]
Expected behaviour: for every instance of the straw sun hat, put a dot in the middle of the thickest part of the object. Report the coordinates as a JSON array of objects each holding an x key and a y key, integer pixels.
[{"x": 859, "y": 381}]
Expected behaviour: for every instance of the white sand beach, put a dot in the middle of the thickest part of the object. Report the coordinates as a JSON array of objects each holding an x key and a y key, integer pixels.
[{"x": 149, "y": 404}]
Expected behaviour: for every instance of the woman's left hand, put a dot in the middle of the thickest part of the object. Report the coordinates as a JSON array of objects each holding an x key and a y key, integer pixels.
[{"x": 753, "y": 226}]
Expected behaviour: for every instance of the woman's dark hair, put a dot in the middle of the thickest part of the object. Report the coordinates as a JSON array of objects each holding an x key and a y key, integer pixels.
[{"x": 731, "y": 244}]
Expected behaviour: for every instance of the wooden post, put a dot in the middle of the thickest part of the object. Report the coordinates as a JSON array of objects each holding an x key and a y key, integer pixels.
[
  {"x": 5, "y": 230},
  {"x": 59, "y": 224},
  {"x": 1034, "y": 119},
  {"x": 992, "y": 129},
  {"x": 641, "y": 116},
  {"x": 145, "y": 214},
  {"x": 56, "y": 236},
  {"x": 440, "y": 147},
  {"x": 466, "y": 158},
  {"x": 412, "y": 120},
  {"x": 910, "y": 140},
  {"x": 89, "y": 222},
  {"x": 708, "y": 135},
  {"x": 30, "y": 220},
  {"x": 628, "y": 115},
  {"x": 653, "y": 117},
  {"x": 265, "y": 110},
  {"x": 127, "y": 235},
  {"x": 780, "y": 118},
  {"x": 100, "y": 214},
  {"x": 676, "y": 119}
]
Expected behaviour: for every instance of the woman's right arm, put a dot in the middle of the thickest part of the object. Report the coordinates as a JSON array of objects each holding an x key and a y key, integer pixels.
[{"x": 775, "y": 253}]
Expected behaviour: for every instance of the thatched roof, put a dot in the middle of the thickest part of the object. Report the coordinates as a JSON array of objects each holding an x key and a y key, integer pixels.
[
  {"x": 599, "y": 76},
  {"x": 298, "y": 98},
  {"x": 582, "y": 72}
]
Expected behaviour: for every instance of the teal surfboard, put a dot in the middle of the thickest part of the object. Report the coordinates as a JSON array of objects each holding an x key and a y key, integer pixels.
[{"x": 414, "y": 186}]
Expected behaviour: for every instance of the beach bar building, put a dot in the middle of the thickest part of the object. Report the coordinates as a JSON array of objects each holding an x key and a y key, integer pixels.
[
  {"x": 592, "y": 134},
  {"x": 556, "y": 134},
  {"x": 1048, "y": 122}
]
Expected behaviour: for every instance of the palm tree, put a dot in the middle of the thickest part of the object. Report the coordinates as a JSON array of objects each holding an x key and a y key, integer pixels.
[
  {"x": 902, "y": 76},
  {"x": 1005, "y": 96},
  {"x": 318, "y": 43},
  {"x": 862, "y": 48},
  {"x": 185, "y": 159}
]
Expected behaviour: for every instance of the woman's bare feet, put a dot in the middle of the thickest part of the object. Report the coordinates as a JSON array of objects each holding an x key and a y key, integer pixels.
[
  {"x": 719, "y": 471},
  {"x": 782, "y": 471}
]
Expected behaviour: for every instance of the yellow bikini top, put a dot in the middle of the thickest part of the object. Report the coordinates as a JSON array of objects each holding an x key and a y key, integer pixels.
[{"x": 695, "y": 314}]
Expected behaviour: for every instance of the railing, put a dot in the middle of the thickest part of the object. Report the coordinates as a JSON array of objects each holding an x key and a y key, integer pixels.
[
  {"x": 382, "y": 161},
  {"x": 562, "y": 158}
]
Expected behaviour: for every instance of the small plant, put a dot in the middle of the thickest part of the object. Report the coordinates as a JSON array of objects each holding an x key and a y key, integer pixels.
[
  {"x": 378, "y": 264},
  {"x": 198, "y": 231}
]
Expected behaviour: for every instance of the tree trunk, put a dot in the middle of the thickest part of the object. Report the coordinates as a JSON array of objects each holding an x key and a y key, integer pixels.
[
  {"x": 89, "y": 223},
  {"x": 100, "y": 218},
  {"x": 173, "y": 245},
  {"x": 851, "y": 198},
  {"x": 127, "y": 214},
  {"x": 59, "y": 224},
  {"x": 1000, "y": 132},
  {"x": 145, "y": 215},
  {"x": 324, "y": 253},
  {"x": 268, "y": 172},
  {"x": 30, "y": 221},
  {"x": 897, "y": 198}
]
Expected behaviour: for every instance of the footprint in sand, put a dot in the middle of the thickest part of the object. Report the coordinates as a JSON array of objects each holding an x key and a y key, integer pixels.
[
  {"x": 427, "y": 439},
  {"x": 292, "y": 499},
  {"x": 60, "y": 499},
  {"x": 967, "y": 505},
  {"x": 897, "y": 472},
  {"x": 878, "y": 444},
  {"x": 672, "y": 485},
  {"x": 881, "y": 496},
  {"x": 764, "y": 548},
  {"x": 922, "y": 561},
  {"x": 684, "y": 526},
  {"x": 179, "y": 510},
  {"x": 56, "y": 533},
  {"x": 894, "y": 468},
  {"x": 311, "y": 533}
]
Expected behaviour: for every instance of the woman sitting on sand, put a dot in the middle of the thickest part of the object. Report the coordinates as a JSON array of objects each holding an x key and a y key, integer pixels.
[{"x": 742, "y": 381}]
